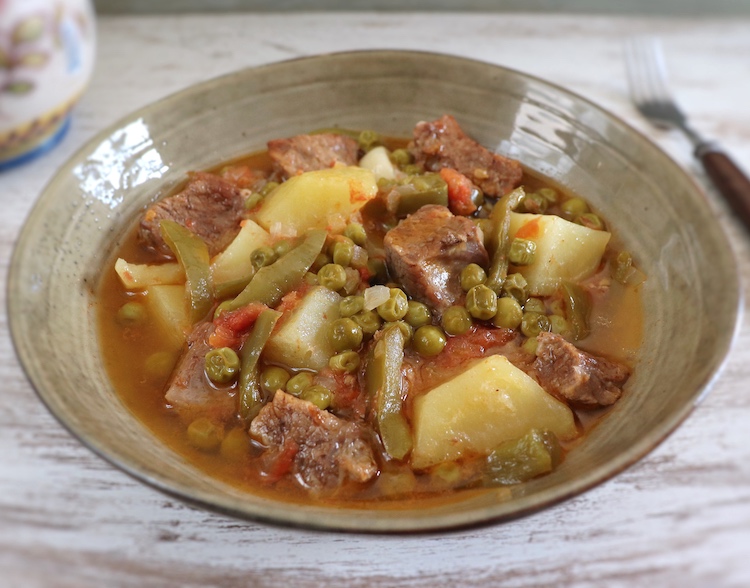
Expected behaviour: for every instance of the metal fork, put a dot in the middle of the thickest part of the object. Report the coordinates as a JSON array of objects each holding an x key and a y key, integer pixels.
[{"x": 647, "y": 76}]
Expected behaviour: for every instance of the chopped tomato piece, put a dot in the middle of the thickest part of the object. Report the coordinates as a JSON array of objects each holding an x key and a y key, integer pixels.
[
  {"x": 229, "y": 327},
  {"x": 460, "y": 191}
]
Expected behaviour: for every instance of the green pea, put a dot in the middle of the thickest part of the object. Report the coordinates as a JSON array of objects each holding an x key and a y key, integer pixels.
[
  {"x": 509, "y": 313},
  {"x": 332, "y": 276},
  {"x": 418, "y": 314},
  {"x": 530, "y": 345},
  {"x": 346, "y": 361},
  {"x": 574, "y": 207},
  {"x": 429, "y": 340},
  {"x": 535, "y": 203},
  {"x": 591, "y": 221},
  {"x": 534, "y": 323},
  {"x": 515, "y": 285},
  {"x": 345, "y": 334},
  {"x": 368, "y": 139},
  {"x": 369, "y": 321},
  {"x": 351, "y": 305},
  {"x": 320, "y": 261},
  {"x": 320, "y": 396},
  {"x": 262, "y": 257},
  {"x": 299, "y": 383},
  {"x": 456, "y": 320},
  {"x": 559, "y": 325},
  {"x": 522, "y": 252},
  {"x": 550, "y": 194},
  {"x": 472, "y": 275},
  {"x": 159, "y": 365},
  {"x": 204, "y": 434},
  {"x": 222, "y": 365},
  {"x": 535, "y": 305},
  {"x": 273, "y": 378},
  {"x": 481, "y": 302},
  {"x": 282, "y": 247},
  {"x": 342, "y": 251},
  {"x": 396, "y": 307},
  {"x": 235, "y": 445},
  {"x": 131, "y": 313},
  {"x": 401, "y": 157},
  {"x": 356, "y": 232}
]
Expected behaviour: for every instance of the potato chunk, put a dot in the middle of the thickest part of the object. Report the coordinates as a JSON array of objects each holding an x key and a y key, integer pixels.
[
  {"x": 317, "y": 199},
  {"x": 234, "y": 262},
  {"x": 301, "y": 342},
  {"x": 139, "y": 276},
  {"x": 491, "y": 402},
  {"x": 167, "y": 306},
  {"x": 564, "y": 250}
]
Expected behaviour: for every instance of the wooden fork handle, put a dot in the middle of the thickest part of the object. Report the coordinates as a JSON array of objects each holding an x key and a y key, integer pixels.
[{"x": 728, "y": 178}]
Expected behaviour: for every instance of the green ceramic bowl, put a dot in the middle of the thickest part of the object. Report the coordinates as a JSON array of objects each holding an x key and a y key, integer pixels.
[{"x": 657, "y": 211}]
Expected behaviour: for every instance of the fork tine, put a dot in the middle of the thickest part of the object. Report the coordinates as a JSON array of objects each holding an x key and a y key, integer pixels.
[{"x": 646, "y": 70}]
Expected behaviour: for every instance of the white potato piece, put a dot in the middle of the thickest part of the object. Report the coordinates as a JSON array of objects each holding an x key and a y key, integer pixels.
[
  {"x": 139, "y": 276},
  {"x": 301, "y": 342},
  {"x": 316, "y": 199},
  {"x": 167, "y": 306},
  {"x": 491, "y": 402},
  {"x": 564, "y": 250},
  {"x": 234, "y": 262},
  {"x": 378, "y": 162}
]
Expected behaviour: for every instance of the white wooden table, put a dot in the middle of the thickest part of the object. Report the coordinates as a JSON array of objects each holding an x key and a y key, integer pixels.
[{"x": 681, "y": 517}]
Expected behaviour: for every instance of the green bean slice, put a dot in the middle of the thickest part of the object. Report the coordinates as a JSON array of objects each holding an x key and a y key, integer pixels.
[
  {"x": 383, "y": 379},
  {"x": 192, "y": 253},
  {"x": 272, "y": 282},
  {"x": 251, "y": 396}
]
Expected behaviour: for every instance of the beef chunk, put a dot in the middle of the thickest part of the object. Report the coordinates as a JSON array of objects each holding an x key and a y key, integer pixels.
[
  {"x": 190, "y": 392},
  {"x": 305, "y": 153},
  {"x": 426, "y": 252},
  {"x": 209, "y": 206},
  {"x": 320, "y": 449},
  {"x": 575, "y": 376},
  {"x": 442, "y": 143}
]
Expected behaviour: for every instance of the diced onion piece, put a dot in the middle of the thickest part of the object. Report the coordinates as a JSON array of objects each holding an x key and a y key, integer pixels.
[
  {"x": 375, "y": 296},
  {"x": 377, "y": 161},
  {"x": 280, "y": 230}
]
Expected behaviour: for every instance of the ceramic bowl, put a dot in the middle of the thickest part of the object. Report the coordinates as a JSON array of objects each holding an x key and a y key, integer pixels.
[{"x": 657, "y": 211}]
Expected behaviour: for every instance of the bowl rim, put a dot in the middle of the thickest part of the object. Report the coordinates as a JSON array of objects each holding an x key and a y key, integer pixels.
[{"x": 289, "y": 515}]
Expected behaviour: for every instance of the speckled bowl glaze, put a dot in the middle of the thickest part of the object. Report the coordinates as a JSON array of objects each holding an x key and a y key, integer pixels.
[{"x": 657, "y": 211}]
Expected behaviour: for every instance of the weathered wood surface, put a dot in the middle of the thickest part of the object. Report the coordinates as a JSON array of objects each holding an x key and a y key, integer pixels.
[{"x": 680, "y": 517}]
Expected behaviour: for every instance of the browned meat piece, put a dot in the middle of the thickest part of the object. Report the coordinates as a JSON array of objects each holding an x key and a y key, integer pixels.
[
  {"x": 209, "y": 206},
  {"x": 190, "y": 392},
  {"x": 305, "y": 153},
  {"x": 578, "y": 377},
  {"x": 426, "y": 252},
  {"x": 442, "y": 143},
  {"x": 320, "y": 449}
]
